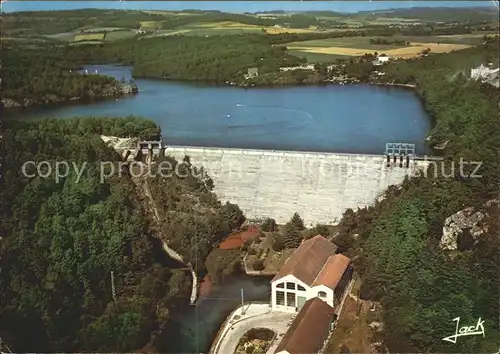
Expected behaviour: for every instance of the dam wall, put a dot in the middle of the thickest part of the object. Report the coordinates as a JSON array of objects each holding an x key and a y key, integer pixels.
[{"x": 276, "y": 184}]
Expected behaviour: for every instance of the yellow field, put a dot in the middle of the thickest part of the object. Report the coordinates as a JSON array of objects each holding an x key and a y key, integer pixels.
[
  {"x": 279, "y": 30},
  {"x": 468, "y": 35},
  {"x": 89, "y": 37},
  {"x": 405, "y": 52},
  {"x": 225, "y": 24},
  {"x": 168, "y": 13},
  {"x": 268, "y": 29}
]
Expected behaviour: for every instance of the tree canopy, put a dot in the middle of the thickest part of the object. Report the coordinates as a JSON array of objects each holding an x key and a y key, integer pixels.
[{"x": 61, "y": 241}]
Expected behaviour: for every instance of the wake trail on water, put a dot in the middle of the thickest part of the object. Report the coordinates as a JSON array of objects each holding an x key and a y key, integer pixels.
[{"x": 273, "y": 127}]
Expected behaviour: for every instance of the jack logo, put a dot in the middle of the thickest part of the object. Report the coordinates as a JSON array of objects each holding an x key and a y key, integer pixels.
[{"x": 466, "y": 330}]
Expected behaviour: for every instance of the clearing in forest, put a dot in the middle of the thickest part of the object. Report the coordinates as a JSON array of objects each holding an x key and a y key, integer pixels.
[{"x": 89, "y": 37}]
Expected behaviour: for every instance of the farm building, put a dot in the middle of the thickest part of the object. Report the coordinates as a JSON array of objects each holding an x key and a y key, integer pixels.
[
  {"x": 381, "y": 59},
  {"x": 310, "y": 329},
  {"x": 252, "y": 72},
  {"x": 313, "y": 270}
]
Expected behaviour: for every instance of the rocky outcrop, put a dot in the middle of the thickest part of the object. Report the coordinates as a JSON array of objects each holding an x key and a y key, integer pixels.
[{"x": 462, "y": 230}]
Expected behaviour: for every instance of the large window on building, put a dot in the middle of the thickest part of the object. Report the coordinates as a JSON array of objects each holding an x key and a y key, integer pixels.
[
  {"x": 290, "y": 299},
  {"x": 280, "y": 298},
  {"x": 321, "y": 294},
  {"x": 290, "y": 286}
]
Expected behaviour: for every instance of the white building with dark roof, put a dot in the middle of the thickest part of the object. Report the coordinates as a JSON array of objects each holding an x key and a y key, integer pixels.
[{"x": 313, "y": 270}]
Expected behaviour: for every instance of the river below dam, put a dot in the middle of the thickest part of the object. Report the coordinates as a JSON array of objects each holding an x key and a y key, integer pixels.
[
  {"x": 329, "y": 118},
  {"x": 196, "y": 326}
]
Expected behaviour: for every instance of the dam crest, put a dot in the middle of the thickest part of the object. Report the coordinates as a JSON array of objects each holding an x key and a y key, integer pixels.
[{"x": 318, "y": 186}]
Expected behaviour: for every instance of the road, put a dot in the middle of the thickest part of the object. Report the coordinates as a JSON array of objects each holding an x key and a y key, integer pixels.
[
  {"x": 256, "y": 317},
  {"x": 143, "y": 184}
]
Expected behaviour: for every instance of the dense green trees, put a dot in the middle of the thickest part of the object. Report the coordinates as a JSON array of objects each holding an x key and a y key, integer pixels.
[
  {"x": 268, "y": 225},
  {"x": 61, "y": 241},
  {"x": 395, "y": 42},
  {"x": 292, "y": 231},
  {"x": 218, "y": 59},
  {"x": 33, "y": 76},
  {"x": 28, "y": 23},
  {"x": 421, "y": 287}
]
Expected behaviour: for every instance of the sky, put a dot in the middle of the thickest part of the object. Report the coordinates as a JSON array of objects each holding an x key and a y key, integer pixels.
[{"x": 234, "y": 6}]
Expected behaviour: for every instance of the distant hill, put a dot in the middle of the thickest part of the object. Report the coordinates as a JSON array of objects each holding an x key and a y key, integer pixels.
[
  {"x": 325, "y": 13},
  {"x": 437, "y": 14}
]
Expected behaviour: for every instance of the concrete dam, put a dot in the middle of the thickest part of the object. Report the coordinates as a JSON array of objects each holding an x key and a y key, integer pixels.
[{"x": 318, "y": 186}]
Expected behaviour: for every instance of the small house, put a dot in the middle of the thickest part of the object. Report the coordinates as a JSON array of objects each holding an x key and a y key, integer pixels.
[
  {"x": 252, "y": 72},
  {"x": 381, "y": 59}
]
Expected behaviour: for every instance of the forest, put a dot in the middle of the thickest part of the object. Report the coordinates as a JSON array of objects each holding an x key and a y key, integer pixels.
[
  {"x": 216, "y": 59},
  {"x": 61, "y": 241},
  {"x": 395, "y": 243},
  {"x": 36, "y": 76}
]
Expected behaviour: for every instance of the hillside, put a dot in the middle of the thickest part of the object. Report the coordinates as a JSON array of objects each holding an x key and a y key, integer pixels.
[
  {"x": 440, "y": 14},
  {"x": 396, "y": 243},
  {"x": 61, "y": 239}
]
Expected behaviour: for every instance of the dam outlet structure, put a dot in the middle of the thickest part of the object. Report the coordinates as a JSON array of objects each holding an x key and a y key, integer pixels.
[{"x": 318, "y": 186}]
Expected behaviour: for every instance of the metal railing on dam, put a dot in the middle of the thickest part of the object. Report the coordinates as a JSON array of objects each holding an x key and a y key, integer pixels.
[{"x": 318, "y": 186}]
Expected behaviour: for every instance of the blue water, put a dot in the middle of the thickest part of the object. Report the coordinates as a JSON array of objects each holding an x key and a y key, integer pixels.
[
  {"x": 235, "y": 6},
  {"x": 331, "y": 118}
]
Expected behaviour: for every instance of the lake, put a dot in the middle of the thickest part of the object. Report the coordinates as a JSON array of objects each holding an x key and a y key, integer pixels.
[{"x": 329, "y": 118}]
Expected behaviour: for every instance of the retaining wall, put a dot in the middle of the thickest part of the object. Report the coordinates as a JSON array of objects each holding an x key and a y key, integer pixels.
[{"x": 319, "y": 186}]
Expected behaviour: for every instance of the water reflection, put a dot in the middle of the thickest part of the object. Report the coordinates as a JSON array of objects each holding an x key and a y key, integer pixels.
[{"x": 198, "y": 325}]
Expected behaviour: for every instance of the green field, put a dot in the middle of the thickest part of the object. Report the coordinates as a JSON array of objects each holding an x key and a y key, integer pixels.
[
  {"x": 219, "y": 31},
  {"x": 116, "y": 35},
  {"x": 145, "y": 25}
]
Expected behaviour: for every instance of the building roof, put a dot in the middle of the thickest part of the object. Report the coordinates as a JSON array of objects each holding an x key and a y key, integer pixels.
[
  {"x": 332, "y": 271},
  {"x": 305, "y": 334},
  {"x": 308, "y": 260}
]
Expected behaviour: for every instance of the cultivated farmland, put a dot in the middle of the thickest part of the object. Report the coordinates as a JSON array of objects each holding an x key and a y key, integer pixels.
[{"x": 357, "y": 46}]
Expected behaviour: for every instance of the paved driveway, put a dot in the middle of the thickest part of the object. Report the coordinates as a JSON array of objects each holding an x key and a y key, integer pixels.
[{"x": 255, "y": 317}]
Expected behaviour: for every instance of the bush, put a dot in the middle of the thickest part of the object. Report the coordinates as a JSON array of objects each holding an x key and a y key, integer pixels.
[
  {"x": 260, "y": 334},
  {"x": 258, "y": 265},
  {"x": 269, "y": 225},
  {"x": 320, "y": 229},
  {"x": 278, "y": 242}
]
